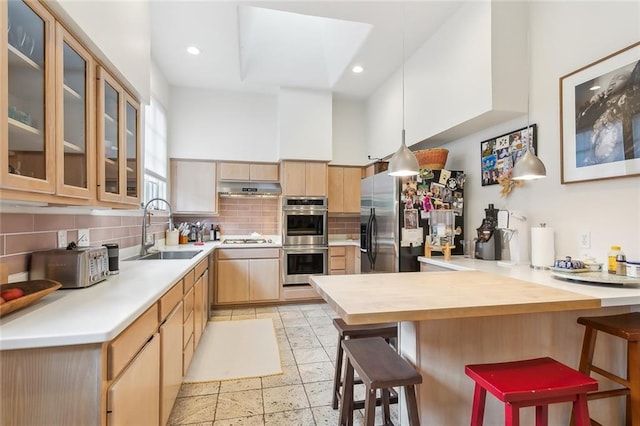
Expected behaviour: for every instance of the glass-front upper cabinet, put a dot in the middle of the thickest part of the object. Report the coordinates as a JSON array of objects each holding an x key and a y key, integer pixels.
[
  {"x": 132, "y": 141},
  {"x": 26, "y": 131},
  {"x": 75, "y": 122},
  {"x": 118, "y": 142}
]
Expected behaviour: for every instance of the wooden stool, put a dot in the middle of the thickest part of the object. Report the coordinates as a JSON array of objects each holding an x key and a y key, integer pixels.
[
  {"x": 379, "y": 367},
  {"x": 345, "y": 331},
  {"x": 627, "y": 327},
  {"x": 533, "y": 382}
]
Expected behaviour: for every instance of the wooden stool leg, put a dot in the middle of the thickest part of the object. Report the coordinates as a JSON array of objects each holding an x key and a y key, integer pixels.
[
  {"x": 477, "y": 413},
  {"x": 542, "y": 415},
  {"x": 586, "y": 359},
  {"x": 346, "y": 410},
  {"x": 633, "y": 375},
  {"x": 336, "y": 374},
  {"x": 412, "y": 405},
  {"x": 370, "y": 408},
  {"x": 580, "y": 415},
  {"x": 511, "y": 415},
  {"x": 385, "y": 406}
]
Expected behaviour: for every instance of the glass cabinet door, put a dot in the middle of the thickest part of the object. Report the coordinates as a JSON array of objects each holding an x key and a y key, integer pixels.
[
  {"x": 119, "y": 142},
  {"x": 133, "y": 150},
  {"x": 75, "y": 160},
  {"x": 109, "y": 94},
  {"x": 27, "y": 141}
]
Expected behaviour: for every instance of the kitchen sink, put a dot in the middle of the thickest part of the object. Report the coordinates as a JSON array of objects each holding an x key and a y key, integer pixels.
[{"x": 178, "y": 254}]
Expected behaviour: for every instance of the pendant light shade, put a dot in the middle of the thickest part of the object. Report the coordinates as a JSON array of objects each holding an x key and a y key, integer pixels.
[
  {"x": 403, "y": 162},
  {"x": 529, "y": 167}
]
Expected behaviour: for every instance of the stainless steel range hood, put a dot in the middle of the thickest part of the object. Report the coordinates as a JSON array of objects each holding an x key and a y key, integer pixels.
[{"x": 249, "y": 189}]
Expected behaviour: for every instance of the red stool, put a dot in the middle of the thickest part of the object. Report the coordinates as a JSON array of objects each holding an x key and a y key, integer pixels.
[{"x": 534, "y": 382}]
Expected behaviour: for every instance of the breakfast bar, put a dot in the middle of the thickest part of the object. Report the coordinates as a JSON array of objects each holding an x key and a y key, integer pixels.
[{"x": 452, "y": 318}]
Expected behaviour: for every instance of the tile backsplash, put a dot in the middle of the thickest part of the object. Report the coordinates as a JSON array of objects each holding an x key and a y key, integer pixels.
[{"x": 23, "y": 233}]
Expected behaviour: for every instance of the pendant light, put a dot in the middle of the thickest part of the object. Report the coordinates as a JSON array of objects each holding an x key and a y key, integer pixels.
[
  {"x": 403, "y": 162},
  {"x": 529, "y": 167}
]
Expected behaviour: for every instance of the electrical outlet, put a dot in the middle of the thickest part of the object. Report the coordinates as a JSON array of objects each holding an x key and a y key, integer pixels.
[
  {"x": 62, "y": 239},
  {"x": 83, "y": 238},
  {"x": 585, "y": 239}
]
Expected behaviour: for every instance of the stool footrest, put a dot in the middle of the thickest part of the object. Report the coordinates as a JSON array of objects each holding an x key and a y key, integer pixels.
[{"x": 608, "y": 393}]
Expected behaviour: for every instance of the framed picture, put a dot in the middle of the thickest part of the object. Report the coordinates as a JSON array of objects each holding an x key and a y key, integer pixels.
[
  {"x": 498, "y": 155},
  {"x": 600, "y": 118}
]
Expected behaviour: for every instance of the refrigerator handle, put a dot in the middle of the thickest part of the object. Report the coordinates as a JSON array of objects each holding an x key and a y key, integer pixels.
[
  {"x": 373, "y": 240},
  {"x": 368, "y": 237}
]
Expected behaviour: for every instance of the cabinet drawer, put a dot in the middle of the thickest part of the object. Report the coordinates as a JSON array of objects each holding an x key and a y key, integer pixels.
[
  {"x": 188, "y": 303},
  {"x": 188, "y": 280},
  {"x": 187, "y": 330},
  {"x": 187, "y": 355},
  {"x": 201, "y": 267},
  {"x": 124, "y": 347},
  {"x": 170, "y": 299},
  {"x": 249, "y": 253},
  {"x": 337, "y": 263},
  {"x": 337, "y": 251}
]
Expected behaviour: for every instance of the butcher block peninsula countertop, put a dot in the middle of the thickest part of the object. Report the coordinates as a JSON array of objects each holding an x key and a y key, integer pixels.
[{"x": 417, "y": 296}]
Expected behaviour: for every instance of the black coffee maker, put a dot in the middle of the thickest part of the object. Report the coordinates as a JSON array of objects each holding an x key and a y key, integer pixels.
[{"x": 488, "y": 245}]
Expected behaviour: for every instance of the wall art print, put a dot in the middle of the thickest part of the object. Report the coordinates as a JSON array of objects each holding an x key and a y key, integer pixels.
[
  {"x": 499, "y": 154},
  {"x": 600, "y": 118}
]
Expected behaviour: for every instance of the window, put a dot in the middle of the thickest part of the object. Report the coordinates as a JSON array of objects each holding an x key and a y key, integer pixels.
[{"x": 155, "y": 153}]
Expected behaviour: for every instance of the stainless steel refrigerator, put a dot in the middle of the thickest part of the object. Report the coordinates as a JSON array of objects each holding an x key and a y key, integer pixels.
[{"x": 386, "y": 206}]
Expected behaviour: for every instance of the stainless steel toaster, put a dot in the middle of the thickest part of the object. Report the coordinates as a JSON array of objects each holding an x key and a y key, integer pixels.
[{"x": 77, "y": 268}]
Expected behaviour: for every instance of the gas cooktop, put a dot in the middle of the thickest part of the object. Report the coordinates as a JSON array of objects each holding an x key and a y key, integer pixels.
[{"x": 246, "y": 241}]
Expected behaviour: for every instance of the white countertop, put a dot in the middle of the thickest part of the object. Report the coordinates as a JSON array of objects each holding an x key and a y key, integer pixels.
[
  {"x": 98, "y": 313},
  {"x": 610, "y": 295}
]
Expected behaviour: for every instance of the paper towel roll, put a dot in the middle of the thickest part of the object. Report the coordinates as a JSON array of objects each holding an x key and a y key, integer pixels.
[{"x": 543, "y": 252}]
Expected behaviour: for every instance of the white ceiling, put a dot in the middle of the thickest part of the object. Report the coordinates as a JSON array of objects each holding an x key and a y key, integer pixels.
[{"x": 286, "y": 49}]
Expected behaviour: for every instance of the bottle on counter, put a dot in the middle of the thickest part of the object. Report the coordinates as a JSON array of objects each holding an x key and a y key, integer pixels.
[
  {"x": 621, "y": 264},
  {"x": 216, "y": 233},
  {"x": 212, "y": 236},
  {"x": 612, "y": 259}
]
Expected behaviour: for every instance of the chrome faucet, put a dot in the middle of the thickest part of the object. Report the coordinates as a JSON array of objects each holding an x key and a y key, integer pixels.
[{"x": 145, "y": 245}]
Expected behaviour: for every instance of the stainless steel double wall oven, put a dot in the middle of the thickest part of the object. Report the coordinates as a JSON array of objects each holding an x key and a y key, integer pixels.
[{"x": 305, "y": 239}]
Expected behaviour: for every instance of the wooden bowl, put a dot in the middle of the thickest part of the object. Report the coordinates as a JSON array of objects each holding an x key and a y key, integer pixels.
[
  {"x": 432, "y": 158},
  {"x": 33, "y": 290}
]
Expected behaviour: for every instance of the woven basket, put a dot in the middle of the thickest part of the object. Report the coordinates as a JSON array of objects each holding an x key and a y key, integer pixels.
[{"x": 433, "y": 158}]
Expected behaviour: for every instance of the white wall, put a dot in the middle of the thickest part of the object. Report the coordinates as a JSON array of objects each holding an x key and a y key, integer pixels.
[
  {"x": 215, "y": 124},
  {"x": 349, "y": 132},
  {"x": 565, "y": 36},
  {"x": 117, "y": 32},
  {"x": 159, "y": 86},
  {"x": 304, "y": 124}
]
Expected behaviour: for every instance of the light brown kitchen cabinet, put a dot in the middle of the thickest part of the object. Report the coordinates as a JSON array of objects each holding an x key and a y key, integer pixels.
[
  {"x": 75, "y": 118},
  {"x": 118, "y": 138},
  {"x": 133, "y": 379},
  {"x": 247, "y": 275},
  {"x": 27, "y": 131},
  {"x": 171, "y": 314},
  {"x": 304, "y": 178},
  {"x": 257, "y": 172},
  {"x": 134, "y": 397},
  {"x": 193, "y": 186},
  {"x": 344, "y": 260},
  {"x": 200, "y": 311},
  {"x": 344, "y": 189}
]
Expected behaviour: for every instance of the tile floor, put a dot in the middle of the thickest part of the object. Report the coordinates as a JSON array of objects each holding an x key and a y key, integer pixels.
[{"x": 299, "y": 396}]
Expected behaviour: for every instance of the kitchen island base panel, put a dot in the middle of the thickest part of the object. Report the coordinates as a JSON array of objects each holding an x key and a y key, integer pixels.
[{"x": 439, "y": 350}]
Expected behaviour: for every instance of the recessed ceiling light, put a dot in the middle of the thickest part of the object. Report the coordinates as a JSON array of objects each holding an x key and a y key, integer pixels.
[
  {"x": 357, "y": 69},
  {"x": 193, "y": 50}
]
